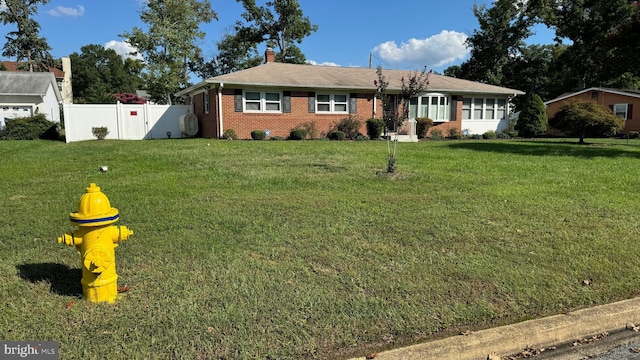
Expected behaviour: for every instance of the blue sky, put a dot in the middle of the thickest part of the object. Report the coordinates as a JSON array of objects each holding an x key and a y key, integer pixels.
[{"x": 405, "y": 34}]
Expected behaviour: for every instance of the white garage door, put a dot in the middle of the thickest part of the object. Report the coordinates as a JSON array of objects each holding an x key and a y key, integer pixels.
[{"x": 11, "y": 112}]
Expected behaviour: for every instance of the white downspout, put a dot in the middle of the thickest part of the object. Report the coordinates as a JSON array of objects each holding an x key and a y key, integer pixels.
[{"x": 220, "y": 127}]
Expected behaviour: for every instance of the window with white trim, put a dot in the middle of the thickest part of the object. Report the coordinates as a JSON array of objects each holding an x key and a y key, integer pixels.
[
  {"x": 477, "y": 108},
  {"x": 466, "y": 108},
  {"x": 489, "y": 108},
  {"x": 502, "y": 109},
  {"x": 262, "y": 101},
  {"x": 484, "y": 109},
  {"x": 332, "y": 103},
  {"x": 621, "y": 110},
  {"x": 433, "y": 106}
]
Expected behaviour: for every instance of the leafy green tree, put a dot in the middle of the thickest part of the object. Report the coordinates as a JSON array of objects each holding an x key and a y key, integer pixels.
[
  {"x": 25, "y": 42},
  {"x": 280, "y": 24},
  {"x": 503, "y": 28},
  {"x": 533, "y": 117},
  {"x": 602, "y": 40},
  {"x": 170, "y": 45},
  {"x": 586, "y": 118},
  {"x": 98, "y": 72},
  {"x": 234, "y": 54}
]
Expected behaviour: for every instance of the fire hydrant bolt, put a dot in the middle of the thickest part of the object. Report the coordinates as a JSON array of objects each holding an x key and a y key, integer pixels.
[{"x": 96, "y": 240}]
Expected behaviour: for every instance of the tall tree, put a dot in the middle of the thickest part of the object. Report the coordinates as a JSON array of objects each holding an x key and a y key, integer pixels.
[
  {"x": 98, "y": 72},
  {"x": 503, "y": 28},
  {"x": 603, "y": 37},
  {"x": 234, "y": 54},
  {"x": 25, "y": 42},
  {"x": 280, "y": 24},
  {"x": 170, "y": 45}
]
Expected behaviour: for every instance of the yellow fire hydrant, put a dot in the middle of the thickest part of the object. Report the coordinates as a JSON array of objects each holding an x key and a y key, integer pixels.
[{"x": 96, "y": 240}]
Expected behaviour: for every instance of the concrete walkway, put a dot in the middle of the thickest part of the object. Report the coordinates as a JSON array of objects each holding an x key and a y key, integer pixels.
[{"x": 513, "y": 339}]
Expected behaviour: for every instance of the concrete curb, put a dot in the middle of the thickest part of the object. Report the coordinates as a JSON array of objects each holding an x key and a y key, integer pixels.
[{"x": 512, "y": 339}]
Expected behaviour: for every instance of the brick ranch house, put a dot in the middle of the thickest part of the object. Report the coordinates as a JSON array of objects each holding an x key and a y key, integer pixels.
[
  {"x": 279, "y": 97},
  {"x": 621, "y": 102}
]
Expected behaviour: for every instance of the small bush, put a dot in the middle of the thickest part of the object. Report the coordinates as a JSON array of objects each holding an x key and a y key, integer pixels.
[
  {"x": 455, "y": 134},
  {"x": 422, "y": 126},
  {"x": 100, "y": 132},
  {"x": 312, "y": 129},
  {"x": 375, "y": 127},
  {"x": 258, "y": 134},
  {"x": 503, "y": 135},
  {"x": 229, "y": 134},
  {"x": 436, "y": 134},
  {"x": 361, "y": 137},
  {"x": 298, "y": 134},
  {"x": 476, "y": 136},
  {"x": 489, "y": 135},
  {"x": 276, "y": 138},
  {"x": 634, "y": 134},
  {"x": 336, "y": 135},
  {"x": 28, "y": 128},
  {"x": 350, "y": 126}
]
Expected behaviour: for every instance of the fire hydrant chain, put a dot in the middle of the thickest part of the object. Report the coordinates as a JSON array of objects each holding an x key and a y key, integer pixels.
[{"x": 96, "y": 240}]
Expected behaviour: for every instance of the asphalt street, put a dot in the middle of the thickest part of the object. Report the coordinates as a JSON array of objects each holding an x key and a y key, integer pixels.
[{"x": 618, "y": 345}]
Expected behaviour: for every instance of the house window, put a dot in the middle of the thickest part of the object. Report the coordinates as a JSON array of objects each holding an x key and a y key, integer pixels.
[
  {"x": 477, "y": 108},
  {"x": 620, "y": 110},
  {"x": 256, "y": 101},
  {"x": 466, "y": 108},
  {"x": 413, "y": 108},
  {"x": 434, "y": 106},
  {"x": 502, "y": 109},
  {"x": 332, "y": 103},
  {"x": 272, "y": 101},
  {"x": 205, "y": 102},
  {"x": 489, "y": 110}
]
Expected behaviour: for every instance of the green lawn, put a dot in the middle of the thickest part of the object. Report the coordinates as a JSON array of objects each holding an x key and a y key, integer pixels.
[{"x": 291, "y": 250}]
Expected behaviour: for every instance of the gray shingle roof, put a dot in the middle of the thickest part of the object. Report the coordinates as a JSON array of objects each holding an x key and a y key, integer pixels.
[
  {"x": 26, "y": 83},
  {"x": 275, "y": 74}
]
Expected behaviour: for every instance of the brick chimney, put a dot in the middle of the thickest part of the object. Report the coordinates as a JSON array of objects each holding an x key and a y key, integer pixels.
[{"x": 269, "y": 56}]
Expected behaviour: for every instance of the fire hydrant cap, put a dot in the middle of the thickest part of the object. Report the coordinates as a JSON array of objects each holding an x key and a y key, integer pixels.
[{"x": 94, "y": 209}]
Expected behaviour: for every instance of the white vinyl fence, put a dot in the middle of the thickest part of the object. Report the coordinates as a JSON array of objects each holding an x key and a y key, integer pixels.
[{"x": 123, "y": 121}]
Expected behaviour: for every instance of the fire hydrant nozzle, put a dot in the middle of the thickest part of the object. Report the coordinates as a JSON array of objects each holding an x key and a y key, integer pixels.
[{"x": 95, "y": 239}]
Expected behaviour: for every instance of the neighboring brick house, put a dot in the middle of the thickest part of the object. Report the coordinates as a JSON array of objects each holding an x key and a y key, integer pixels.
[
  {"x": 279, "y": 97},
  {"x": 621, "y": 102}
]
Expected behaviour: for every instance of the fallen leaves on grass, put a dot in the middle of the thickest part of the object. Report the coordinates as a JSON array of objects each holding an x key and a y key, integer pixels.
[
  {"x": 372, "y": 356},
  {"x": 587, "y": 282},
  {"x": 584, "y": 341},
  {"x": 70, "y": 304},
  {"x": 123, "y": 289},
  {"x": 632, "y": 327},
  {"x": 464, "y": 333}
]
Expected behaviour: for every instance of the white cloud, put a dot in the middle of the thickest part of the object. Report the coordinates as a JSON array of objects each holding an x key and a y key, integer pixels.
[
  {"x": 123, "y": 48},
  {"x": 326, "y": 63},
  {"x": 67, "y": 11},
  {"x": 435, "y": 51}
]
